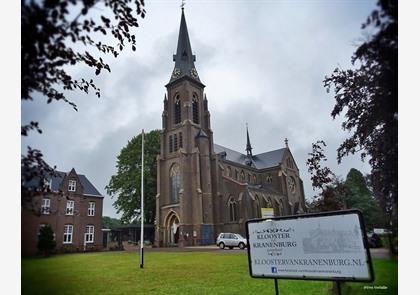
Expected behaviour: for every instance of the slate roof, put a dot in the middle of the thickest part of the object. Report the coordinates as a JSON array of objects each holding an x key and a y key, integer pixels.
[
  {"x": 261, "y": 161},
  {"x": 88, "y": 187},
  {"x": 184, "y": 58}
]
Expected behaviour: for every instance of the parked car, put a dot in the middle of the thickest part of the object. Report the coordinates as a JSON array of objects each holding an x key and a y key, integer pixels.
[
  {"x": 230, "y": 240},
  {"x": 374, "y": 241}
]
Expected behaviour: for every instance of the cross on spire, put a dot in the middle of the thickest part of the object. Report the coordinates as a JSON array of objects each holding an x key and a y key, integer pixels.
[{"x": 182, "y": 4}]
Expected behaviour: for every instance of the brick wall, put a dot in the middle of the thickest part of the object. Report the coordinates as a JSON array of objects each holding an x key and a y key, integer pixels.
[{"x": 32, "y": 217}]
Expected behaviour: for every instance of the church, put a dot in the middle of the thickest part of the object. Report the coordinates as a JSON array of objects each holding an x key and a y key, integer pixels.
[{"x": 204, "y": 188}]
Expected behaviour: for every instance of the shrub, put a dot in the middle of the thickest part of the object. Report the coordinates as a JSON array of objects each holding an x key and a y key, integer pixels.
[{"x": 46, "y": 243}]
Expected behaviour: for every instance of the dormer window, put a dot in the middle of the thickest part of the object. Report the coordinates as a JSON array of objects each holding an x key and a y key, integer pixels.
[
  {"x": 72, "y": 186},
  {"x": 48, "y": 183}
]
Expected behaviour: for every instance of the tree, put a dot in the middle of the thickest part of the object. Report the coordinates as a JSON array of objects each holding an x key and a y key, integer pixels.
[
  {"x": 337, "y": 194},
  {"x": 46, "y": 243},
  {"x": 360, "y": 197},
  {"x": 126, "y": 184},
  {"x": 368, "y": 95},
  {"x": 109, "y": 222},
  {"x": 323, "y": 179},
  {"x": 59, "y": 34}
]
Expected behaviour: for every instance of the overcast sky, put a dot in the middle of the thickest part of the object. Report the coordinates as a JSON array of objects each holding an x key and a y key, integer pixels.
[{"x": 263, "y": 63}]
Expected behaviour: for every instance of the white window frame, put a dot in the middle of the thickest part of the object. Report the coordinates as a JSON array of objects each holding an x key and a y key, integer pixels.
[
  {"x": 48, "y": 182},
  {"x": 72, "y": 185},
  {"x": 89, "y": 234},
  {"x": 91, "y": 208},
  {"x": 68, "y": 234},
  {"x": 45, "y": 206},
  {"x": 70, "y": 207}
]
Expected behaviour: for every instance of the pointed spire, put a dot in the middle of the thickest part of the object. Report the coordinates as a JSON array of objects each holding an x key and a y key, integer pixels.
[
  {"x": 165, "y": 103},
  {"x": 206, "y": 107},
  {"x": 184, "y": 58},
  {"x": 248, "y": 143}
]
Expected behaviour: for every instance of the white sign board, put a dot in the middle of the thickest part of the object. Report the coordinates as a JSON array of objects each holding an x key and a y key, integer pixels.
[{"x": 328, "y": 246}]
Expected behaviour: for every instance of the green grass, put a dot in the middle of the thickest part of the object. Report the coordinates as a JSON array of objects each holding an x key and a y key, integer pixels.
[{"x": 173, "y": 273}]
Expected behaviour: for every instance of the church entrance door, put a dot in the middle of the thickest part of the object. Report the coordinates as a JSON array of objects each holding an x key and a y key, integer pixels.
[{"x": 172, "y": 229}]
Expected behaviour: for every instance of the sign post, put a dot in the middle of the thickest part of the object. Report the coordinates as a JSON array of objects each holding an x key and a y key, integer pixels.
[
  {"x": 276, "y": 286},
  {"x": 329, "y": 246}
]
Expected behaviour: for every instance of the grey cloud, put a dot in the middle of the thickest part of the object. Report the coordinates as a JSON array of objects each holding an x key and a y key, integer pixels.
[{"x": 262, "y": 64}]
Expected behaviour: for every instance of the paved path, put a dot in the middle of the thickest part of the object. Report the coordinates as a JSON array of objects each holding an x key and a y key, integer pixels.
[
  {"x": 380, "y": 253},
  {"x": 210, "y": 248},
  {"x": 375, "y": 253}
]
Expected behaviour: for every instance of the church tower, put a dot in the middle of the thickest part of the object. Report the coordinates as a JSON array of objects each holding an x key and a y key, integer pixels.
[{"x": 184, "y": 208}]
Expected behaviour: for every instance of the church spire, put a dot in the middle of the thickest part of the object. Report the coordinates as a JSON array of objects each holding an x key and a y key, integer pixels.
[
  {"x": 248, "y": 143},
  {"x": 184, "y": 58}
]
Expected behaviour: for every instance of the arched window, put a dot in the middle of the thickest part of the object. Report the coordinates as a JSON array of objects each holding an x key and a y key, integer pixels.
[
  {"x": 180, "y": 140},
  {"x": 289, "y": 163},
  {"x": 174, "y": 180},
  {"x": 291, "y": 182},
  {"x": 177, "y": 110},
  {"x": 229, "y": 171},
  {"x": 233, "y": 209},
  {"x": 195, "y": 109},
  {"x": 175, "y": 142},
  {"x": 281, "y": 208},
  {"x": 254, "y": 179},
  {"x": 242, "y": 176}
]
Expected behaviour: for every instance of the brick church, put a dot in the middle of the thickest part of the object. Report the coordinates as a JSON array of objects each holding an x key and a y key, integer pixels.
[{"x": 204, "y": 188}]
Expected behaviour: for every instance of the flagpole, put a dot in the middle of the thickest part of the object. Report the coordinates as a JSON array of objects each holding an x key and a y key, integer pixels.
[{"x": 142, "y": 201}]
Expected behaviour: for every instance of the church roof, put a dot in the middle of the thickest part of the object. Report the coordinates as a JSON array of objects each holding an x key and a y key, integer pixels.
[
  {"x": 184, "y": 58},
  {"x": 261, "y": 161}
]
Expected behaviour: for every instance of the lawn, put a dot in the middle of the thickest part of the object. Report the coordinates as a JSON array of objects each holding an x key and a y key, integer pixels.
[{"x": 216, "y": 272}]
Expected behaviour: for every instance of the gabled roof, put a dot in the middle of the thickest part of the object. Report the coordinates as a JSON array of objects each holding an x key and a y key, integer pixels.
[
  {"x": 201, "y": 133},
  {"x": 261, "y": 161},
  {"x": 56, "y": 181}
]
